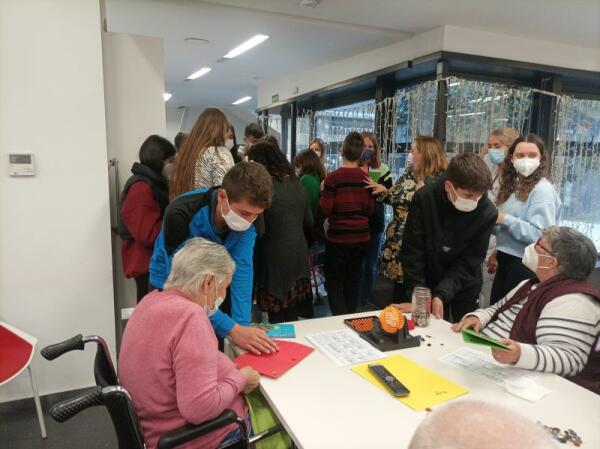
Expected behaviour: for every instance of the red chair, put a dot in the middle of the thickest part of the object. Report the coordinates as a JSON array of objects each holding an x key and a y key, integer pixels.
[{"x": 16, "y": 352}]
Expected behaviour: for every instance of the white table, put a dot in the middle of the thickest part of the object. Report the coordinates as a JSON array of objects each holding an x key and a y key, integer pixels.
[{"x": 326, "y": 406}]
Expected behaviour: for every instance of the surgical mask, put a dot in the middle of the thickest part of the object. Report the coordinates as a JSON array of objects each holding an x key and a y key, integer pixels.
[
  {"x": 218, "y": 301},
  {"x": 234, "y": 221},
  {"x": 496, "y": 155},
  {"x": 318, "y": 153},
  {"x": 229, "y": 144},
  {"x": 464, "y": 204},
  {"x": 410, "y": 160},
  {"x": 298, "y": 171},
  {"x": 167, "y": 170},
  {"x": 526, "y": 166},
  {"x": 531, "y": 259},
  {"x": 367, "y": 155}
]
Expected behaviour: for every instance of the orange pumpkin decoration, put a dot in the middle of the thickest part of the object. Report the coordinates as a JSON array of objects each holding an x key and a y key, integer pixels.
[{"x": 391, "y": 319}]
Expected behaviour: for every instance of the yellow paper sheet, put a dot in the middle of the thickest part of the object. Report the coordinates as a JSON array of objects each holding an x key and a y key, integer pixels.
[{"x": 427, "y": 389}]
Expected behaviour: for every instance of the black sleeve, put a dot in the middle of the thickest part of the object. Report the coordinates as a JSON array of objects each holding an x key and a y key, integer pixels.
[
  {"x": 386, "y": 180},
  {"x": 413, "y": 251},
  {"x": 309, "y": 222},
  {"x": 176, "y": 227},
  {"x": 465, "y": 268},
  {"x": 259, "y": 225}
]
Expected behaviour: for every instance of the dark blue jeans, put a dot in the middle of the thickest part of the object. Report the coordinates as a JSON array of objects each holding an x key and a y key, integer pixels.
[{"x": 370, "y": 268}]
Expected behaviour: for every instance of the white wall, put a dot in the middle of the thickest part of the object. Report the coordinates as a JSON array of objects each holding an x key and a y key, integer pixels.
[
  {"x": 238, "y": 117},
  {"x": 134, "y": 85},
  {"x": 55, "y": 253},
  {"x": 448, "y": 38}
]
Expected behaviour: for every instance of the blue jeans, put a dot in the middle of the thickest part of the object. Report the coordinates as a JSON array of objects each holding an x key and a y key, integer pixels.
[{"x": 370, "y": 268}]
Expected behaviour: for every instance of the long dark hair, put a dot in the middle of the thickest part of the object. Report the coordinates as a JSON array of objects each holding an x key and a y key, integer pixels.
[
  {"x": 511, "y": 181},
  {"x": 154, "y": 151},
  {"x": 273, "y": 160}
]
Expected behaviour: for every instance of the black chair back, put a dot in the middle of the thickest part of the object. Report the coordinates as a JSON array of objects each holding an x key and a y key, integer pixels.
[{"x": 125, "y": 420}]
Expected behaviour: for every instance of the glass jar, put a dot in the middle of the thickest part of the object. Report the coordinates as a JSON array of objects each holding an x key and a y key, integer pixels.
[{"x": 421, "y": 306}]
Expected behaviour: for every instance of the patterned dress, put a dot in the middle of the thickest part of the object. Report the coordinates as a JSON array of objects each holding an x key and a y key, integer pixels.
[
  {"x": 399, "y": 197},
  {"x": 211, "y": 167}
]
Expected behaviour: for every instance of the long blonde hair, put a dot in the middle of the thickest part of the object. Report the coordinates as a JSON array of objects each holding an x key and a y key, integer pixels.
[
  {"x": 433, "y": 159},
  {"x": 210, "y": 130}
]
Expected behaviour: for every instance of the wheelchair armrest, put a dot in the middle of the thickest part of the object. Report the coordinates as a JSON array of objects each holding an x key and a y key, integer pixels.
[{"x": 190, "y": 432}]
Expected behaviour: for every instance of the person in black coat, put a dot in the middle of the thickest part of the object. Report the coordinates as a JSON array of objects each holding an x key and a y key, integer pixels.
[{"x": 447, "y": 231}]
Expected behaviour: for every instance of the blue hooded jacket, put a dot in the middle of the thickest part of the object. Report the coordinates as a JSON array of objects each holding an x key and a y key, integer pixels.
[{"x": 188, "y": 216}]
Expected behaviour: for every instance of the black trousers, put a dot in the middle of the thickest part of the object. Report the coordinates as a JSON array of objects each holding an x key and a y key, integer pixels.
[
  {"x": 510, "y": 272},
  {"x": 142, "y": 285},
  {"x": 343, "y": 268}
]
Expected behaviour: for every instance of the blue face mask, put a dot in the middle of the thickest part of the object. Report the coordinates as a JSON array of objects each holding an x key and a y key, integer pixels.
[
  {"x": 496, "y": 155},
  {"x": 367, "y": 154}
]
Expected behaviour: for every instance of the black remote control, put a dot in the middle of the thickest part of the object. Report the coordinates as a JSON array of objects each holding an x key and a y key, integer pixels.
[{"x": 388, "y": 379}]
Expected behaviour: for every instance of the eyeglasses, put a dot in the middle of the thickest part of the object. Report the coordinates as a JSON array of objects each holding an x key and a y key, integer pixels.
[{"x": 539, "y": 243}]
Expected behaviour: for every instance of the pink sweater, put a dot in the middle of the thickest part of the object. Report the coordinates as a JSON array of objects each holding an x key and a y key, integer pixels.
[{"x": 171, "y": 366}]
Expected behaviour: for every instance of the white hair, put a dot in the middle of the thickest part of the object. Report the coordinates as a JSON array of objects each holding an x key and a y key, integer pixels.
[
  {"x": 479, "y": 425},
  {"x": 194, "y": 261}
]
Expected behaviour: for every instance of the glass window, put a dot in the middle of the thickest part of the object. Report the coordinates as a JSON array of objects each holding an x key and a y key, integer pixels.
[
  {"x": 332, "y": 126},
  {"x": 576, "y": 165},
  {"x": 476, "y": 108}
]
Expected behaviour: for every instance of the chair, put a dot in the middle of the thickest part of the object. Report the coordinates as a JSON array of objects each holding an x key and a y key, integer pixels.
[
  {"x": 16, "y": 352},
  {"x": 118, "y": 402}
]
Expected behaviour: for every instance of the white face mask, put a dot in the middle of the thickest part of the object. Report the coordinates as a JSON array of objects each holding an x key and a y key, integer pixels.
[
  {"x": 298, "y": 171},
  {"x": 167, "y": 170},
  {"x": 210, "y": 312},
  {"x": 464, "y": 204},
  {"x": 526, "y": 166},
  {"x": 410, "y": 160},
  {"x": 531, "y": 259},
  {"x": 229, "y": 144},
  {"x": 234, "y": 221}
]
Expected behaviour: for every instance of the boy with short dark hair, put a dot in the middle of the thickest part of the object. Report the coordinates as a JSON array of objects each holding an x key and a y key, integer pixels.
[
  {"x": 223, "y": 215},
  {"x": 446, "y": 236},
  {"x": 347, "y": 205}
]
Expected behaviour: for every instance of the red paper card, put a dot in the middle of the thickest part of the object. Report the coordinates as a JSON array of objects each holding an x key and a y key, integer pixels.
[{"x": 278, "y": 363}]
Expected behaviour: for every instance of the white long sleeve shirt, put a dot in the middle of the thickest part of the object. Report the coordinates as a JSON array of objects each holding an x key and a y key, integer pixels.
[{"x": 566, "y": 332}]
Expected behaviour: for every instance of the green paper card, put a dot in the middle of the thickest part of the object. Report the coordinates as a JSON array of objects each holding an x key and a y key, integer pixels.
[{"x": 470, "y": 336}]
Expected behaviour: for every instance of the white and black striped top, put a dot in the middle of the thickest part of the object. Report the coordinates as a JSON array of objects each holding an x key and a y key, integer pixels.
[
  {"x": 211, "y": 167},
  {"x": 566, "y": 331}
]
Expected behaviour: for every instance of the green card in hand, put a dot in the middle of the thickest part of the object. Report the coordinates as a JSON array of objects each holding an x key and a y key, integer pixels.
[{"x": 470, "y": 336}]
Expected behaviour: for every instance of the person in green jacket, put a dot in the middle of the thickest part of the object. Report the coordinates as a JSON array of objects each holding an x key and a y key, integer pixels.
[{"x": 311, "y": 172}]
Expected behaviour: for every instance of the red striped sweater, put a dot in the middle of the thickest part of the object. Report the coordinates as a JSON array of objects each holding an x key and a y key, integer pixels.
[{"x": 347, "y": 205}]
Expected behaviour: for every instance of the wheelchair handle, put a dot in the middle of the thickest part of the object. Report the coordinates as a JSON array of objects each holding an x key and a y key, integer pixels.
[
  {"x": 65, "y": 410},
  {"x": 51, "y": 352}
]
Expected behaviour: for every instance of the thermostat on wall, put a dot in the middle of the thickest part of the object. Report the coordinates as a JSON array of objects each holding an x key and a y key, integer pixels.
[{"x": 21, "y": 164}]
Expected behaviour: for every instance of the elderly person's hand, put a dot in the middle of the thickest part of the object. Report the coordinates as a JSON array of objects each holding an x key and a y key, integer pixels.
[
  {"x": 252, "y": 339},
  {"x": 492, "y": 263},
  {"x": 252, "y": 379},
  {"x": 468, "y": 322},
  {"x": 507, "y": 357}
]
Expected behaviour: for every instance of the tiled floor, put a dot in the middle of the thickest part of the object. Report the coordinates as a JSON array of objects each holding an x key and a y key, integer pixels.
[{"x": 92, "y": 428}]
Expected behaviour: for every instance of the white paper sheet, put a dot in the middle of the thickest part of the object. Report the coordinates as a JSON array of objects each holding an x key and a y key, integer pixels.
[
  {"x": 485, "y": 365},
  {"x": 344, "y": 347}
]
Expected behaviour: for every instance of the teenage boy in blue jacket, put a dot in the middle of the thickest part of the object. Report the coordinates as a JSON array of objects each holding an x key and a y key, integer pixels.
[{"x": 224, "y": 215}]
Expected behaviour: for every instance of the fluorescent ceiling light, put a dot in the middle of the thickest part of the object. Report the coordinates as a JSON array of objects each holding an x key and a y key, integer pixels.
[
  {"x": 453, "y": 84},
  {"x": 241, "y": 100},
  {"x": 199, "y": 73},
  {"x": 167, "y": 96},
  {"x": 250, "y": 43}
]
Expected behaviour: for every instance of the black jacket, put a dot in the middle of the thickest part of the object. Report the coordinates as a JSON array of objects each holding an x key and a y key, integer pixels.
[
  {"x": 442, "y": 247},
  {"x": 160, "y": 190}
]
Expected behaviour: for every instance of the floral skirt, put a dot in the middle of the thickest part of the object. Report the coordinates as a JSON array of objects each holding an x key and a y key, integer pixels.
[{"x": 300, "y": 292}]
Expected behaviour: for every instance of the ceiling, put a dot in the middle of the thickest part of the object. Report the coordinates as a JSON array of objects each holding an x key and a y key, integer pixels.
[{"x": 305, "y": 37}]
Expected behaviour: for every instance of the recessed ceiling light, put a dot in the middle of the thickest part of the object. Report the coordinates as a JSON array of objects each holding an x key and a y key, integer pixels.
[
  {"x": 241, "y": 100},
  {"x": 196, "y": 40},
  {"x": 199, "y": 73},
  {"x": 308, "y": 3},
  {"x": 250, "y": 43},
  {"x": 167, "y": 96}
]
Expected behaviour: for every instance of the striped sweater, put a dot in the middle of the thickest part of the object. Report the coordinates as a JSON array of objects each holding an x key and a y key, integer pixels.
[
  {"x": 211, "y": 167},
  {"x": 566, "y": 331},
  {"x": 348, "y": 205}
]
